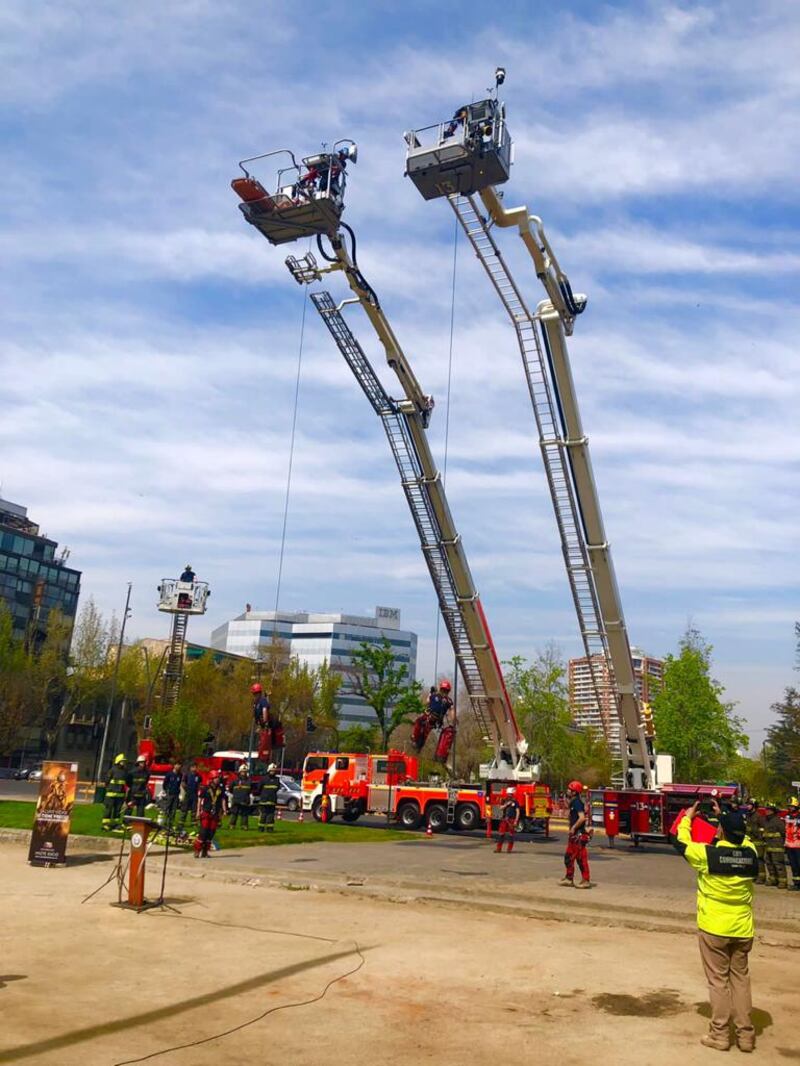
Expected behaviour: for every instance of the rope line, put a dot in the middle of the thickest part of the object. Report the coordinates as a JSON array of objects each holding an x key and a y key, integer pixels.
[{"x": 447, "y": 412}]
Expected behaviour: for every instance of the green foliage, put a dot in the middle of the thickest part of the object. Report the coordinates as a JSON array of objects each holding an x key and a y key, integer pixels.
[
  {"x": 590, "y": 758},
  {"x": 692, "y": 721},
  {"x": 179, "y": 732},
  {"x": 541, "y": 703},
  {"x": 783, "y": 742},
  {"x": 358, "y": 738},
  {"x": 385, "y": 686},
  {"x": 755, "y": 775}
]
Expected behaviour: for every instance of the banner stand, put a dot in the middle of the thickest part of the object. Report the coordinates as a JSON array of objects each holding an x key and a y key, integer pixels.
[{"x": 53, "y": 814}]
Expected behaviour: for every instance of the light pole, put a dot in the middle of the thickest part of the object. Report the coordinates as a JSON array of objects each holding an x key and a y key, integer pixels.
[{"x": 125, "y": 614}]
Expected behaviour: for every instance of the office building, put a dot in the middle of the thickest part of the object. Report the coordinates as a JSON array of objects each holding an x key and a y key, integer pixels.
[
  {"x": 586, "y": 712},
  {"x": 318, "y": 638},
  {"x": 33, "y": 577}
]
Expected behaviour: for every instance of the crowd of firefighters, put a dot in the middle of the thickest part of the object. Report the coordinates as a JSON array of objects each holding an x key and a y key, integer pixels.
[{"x": 186, "y": 798}]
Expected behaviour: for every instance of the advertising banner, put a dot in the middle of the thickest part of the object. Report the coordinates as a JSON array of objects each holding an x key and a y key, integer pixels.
[{"x": 53, "y": 814}]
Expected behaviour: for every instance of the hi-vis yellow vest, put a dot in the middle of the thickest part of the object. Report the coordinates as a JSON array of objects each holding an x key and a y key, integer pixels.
[{"x": 724, "y": 900}]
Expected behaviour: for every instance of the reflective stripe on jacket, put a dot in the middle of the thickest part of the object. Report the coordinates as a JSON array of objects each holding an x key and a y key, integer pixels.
[
  {"x": 116, "y": 780},
  {"x": 724, "y": 901}
]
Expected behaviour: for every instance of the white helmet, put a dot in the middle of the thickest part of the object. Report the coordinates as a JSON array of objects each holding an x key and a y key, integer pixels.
[
  {"x": 271, "y": 768},
  {"x": 511, "y": 791}
]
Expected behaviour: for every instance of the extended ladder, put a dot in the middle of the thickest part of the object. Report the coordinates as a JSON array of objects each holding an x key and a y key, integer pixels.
[
  {"x": 417, "y": 487},
  {"x": 555, "y": 454},
  {"x": 173, "y": 668}
]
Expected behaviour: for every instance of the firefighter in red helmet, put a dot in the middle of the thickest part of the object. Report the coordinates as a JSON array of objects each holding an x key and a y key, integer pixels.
[
  {"x": 509, "y": 820},
  {"x": 579, "y": 830}
]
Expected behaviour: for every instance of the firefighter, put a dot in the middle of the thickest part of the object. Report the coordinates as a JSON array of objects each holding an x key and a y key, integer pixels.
[
  {"x": 755, "y": 831},
  {"x": 726, "y": 871},
  {"x": 439, "y": 704},
  {"x": 116, "y": 784},
  {"x": 509, "y": 820},
  {"x": 213, "y": 804},
  {"x": 260, "y": 706},
  {"x": 792, "y": 842},
  {"x": 240, "y": 798},
  {"x": 190, "y": 790},
  {"x": 172, "y": 793},
  {"x": 576, "y": 851},
  {"x": 268, "y": 800},
  {"x": 774, "y": 854},
  {"x": 138, "y": 793},
  {"x": 188, "y": 574},
  {"x": 458, "y": 119}
]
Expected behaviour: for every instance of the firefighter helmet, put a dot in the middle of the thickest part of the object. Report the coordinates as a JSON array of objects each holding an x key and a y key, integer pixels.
[
  {"x": 445, "y": 686},
  {"x": 256, "y": 689},
  {"x": 511, "y": 791},
  {"x": 794, "y": 802},
  {"x": 575, "y": 786},
  {"x": 141, "y": 758},
  {"x": 271, "y": 768},
  {"x": 120, "y": 758}
]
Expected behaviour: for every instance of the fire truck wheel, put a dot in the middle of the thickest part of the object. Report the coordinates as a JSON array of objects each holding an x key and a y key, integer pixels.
[
  {"x": 408, "y": 815},
  {"x": 316, "y": 809},
  {"x": 437, "y": 817},
  {"x": 467, "y": 817},
  {"x": 352, "y": 813}
]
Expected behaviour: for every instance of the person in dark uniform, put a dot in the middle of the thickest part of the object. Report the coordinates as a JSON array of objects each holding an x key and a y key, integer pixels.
[
  {"x": 774, "y": 840},
  {"x": 240, "y": 798},
  {"x": 138, "y": 794},
  {"x": 261, "y": 706},
  {"x": 116, "y": 786},
  {"x": 439, "y": 704},
  {"x": 190, "y": 794},
  {"x": 458, "y": 119},
  {"x": 188, "y": 573},
  {"x": 576, "y": 851},
  {"x": 268, "y": 800},
  {"x": 755, "y": 831},
  {"x": 509, "y": 820},
  {"x": 172, "y": 793},
  {"x": 213, "y": 804}
]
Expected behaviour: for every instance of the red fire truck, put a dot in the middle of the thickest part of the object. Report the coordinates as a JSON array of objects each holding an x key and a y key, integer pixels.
[
  {"x": 646, "y": 815},
  {"x": 358, "y": 784}
]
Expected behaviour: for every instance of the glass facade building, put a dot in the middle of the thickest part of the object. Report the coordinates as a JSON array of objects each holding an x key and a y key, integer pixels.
[
  {"x": 33, "y": 578},
  {"x": 318, "y": 638}
]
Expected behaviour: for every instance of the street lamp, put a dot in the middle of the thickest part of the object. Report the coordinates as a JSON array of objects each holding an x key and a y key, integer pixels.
[{"x": 125, "y": 615}]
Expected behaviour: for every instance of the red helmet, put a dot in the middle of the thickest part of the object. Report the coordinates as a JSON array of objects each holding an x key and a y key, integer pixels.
[
  {"x": 575, "y": 786},
  {"x": 256, "y": 689},
  {"x": 445, "y": 686}
]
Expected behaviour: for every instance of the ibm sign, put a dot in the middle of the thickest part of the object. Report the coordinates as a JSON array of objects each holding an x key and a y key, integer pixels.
[{"x": 388, "y": 616}]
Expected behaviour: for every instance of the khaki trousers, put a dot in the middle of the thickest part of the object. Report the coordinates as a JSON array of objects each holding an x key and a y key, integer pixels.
[{"x": 725, "y": 964}]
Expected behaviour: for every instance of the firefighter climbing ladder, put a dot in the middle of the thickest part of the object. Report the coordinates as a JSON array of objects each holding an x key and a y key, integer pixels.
[{"x": 553, "y": 446}]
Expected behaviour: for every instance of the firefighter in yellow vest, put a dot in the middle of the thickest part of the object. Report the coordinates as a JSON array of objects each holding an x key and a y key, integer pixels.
[
  {"x": 774, "y": 854},
  {"x": 726, "y": 871},
  {"x": 116, "y": 784}
]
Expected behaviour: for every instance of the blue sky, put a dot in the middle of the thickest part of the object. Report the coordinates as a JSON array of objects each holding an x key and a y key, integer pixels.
[{"x": 150, "y": 337}]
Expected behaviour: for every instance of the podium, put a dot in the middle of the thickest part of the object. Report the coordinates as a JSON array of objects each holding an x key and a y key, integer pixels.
[{"x": 140, "y": 831}]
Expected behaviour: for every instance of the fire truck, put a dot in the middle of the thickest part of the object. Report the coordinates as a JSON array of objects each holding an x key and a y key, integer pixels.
[
  {"x": 307, "y": 203},
  {"x": 358, "y": 784},
  {"x": 462, "y": 161}
]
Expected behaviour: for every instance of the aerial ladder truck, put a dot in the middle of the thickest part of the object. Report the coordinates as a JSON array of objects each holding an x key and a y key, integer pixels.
[
  {"x": 312, "y": 207},
  {"x": 463, "y": 161}
]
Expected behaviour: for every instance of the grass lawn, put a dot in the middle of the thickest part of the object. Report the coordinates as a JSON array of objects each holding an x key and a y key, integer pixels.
[{"x": 16, "y": 814}]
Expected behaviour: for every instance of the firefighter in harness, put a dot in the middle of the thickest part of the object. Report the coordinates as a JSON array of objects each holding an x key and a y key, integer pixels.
[
  {"x": 579, "y": 831},
  {"x": 509, "y": 820},
  {"x": 439, "y": 714},
  {"x": 213, "y": 804}
]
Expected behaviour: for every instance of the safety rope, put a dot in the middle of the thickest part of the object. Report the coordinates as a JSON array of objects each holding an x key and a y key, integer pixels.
[
  {"x": 447, "y": 412},
  {"x": 291, "y": 465}
]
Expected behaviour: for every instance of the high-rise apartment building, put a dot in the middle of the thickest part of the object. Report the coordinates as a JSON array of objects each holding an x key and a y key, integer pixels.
[
  {"x": 33, "y": 578},
  {"x": 318, "y": 638},
  {"x": 586, "y": 712}
]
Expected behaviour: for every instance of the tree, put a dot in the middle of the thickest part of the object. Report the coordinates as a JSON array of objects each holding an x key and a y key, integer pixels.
[
  {"x": 358, "y": 738},
  {"x": 783, "y": 741},
  {"x": 541, "y": 702},
  {"x": 590, "y": 758},
  {"x": 385, "y": 686},
  {"x": 13, "y": 674},
  {"x": 179, "y": 731},
  {"x": 755, "y": 775},
  {"x": 692, "y": 721}
]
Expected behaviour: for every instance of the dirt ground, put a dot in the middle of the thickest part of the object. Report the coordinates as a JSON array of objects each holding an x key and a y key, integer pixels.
[{"x": 328, "y": 976}]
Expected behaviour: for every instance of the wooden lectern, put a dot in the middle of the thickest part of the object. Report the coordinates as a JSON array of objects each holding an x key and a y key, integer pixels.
[{"x": 140, "y": 831}]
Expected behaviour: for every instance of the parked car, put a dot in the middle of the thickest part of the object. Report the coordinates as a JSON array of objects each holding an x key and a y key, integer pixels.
[
  {"x": 22, "y": 775},
  {"x": 290, "y": 793},
  {"x": 8, "y": 773},
  {"x": 35, "y": 775}
]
